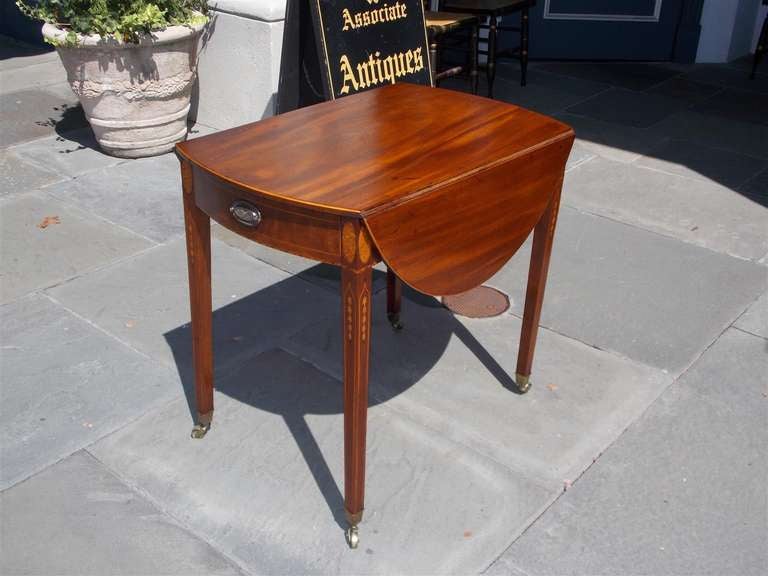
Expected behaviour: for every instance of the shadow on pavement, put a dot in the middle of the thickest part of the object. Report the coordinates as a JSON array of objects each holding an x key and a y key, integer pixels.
[{"x": 398, "y": 361}]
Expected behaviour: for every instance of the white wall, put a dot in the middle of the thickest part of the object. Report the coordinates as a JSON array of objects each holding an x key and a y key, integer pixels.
[
  {"x": 239, "y": 63},
  {"x": 727, "y": 27}
]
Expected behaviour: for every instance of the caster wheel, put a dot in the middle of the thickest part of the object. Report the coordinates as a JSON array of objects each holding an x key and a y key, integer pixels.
[
  {"x": 353, "y": 538},
  {"x": 394, "y": 321},
  {"x": 200, "y": 430},
  {"x": 523, "y": 383}
]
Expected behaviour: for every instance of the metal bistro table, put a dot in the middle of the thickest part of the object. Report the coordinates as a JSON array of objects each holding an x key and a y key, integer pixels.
[{"x": 444, "y": 187}]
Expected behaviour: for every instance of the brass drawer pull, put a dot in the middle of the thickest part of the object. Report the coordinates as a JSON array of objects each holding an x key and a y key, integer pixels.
[{"x": 245, "y": 213}]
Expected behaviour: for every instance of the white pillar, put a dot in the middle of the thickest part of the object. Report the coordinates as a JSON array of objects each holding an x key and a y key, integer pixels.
[
  {"x": 726, "y": 29},
  {"x": 239, "y": 62}
]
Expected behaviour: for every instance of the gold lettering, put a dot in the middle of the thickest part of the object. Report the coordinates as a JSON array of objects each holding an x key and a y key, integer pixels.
[
  {"x": 377, "y": 70},
  {"x": 378, "y": 67},
  {"x": 347, "y": 20},
  {"x": 349, "y": 75},
  {"x": 419, "y": 59},
  {"x": 362, "y": 73},
  {"x": 389, "y": 71},
  {"x": 409, "y": 62},
  {"x": 399, "y": 64},
  {"x": 364, "y": 18},
  {"x": 372, "y": 68}
]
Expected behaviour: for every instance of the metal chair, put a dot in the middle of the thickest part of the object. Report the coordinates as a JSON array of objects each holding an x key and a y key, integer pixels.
[{"x": 492, "y": 10}]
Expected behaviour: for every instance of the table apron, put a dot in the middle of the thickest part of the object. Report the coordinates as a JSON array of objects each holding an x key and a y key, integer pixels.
[{"x": 303, "y": 232}]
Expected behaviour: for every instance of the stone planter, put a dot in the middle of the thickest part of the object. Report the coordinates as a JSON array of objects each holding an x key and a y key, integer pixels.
[{"x": 135, "y": 96}]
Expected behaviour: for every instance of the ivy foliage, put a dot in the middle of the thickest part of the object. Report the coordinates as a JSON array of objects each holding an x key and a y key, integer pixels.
[{"x": 123, "y": 20}]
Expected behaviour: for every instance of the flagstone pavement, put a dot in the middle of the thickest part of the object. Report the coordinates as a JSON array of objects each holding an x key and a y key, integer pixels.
[{"x": 641, "y": 448}]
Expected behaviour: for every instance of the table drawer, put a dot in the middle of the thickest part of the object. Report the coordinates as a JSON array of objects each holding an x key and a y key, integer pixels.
[{"x": 300, "y": 231}]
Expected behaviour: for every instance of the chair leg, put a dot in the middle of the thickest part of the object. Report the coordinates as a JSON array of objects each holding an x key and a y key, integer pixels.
[
  {"x": 474, "y": 39},
  {"x": 523, "y": 46},
  {"x": 491, "y": 66},
  {"x": 760, "y": 49},
  {"x": 433, "y": 60}
]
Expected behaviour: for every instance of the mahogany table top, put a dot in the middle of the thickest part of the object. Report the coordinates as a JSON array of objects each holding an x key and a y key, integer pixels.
[{"x": 359, "y": 154}]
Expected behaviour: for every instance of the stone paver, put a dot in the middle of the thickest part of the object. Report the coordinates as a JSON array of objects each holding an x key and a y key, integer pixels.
[
  {"x": 651, "y": 298},
  {"x": 756, "y": 189},
  {"x": 627, "y": 108},
  {"x": 716, "y": 132},
  {"x": 34, "y": 257},
  {"x": 697, "y": 211},
  {"x": 620, "y": 143},
  {"x": 682, "y": 492},
  {"x": 17, "y": 175},
  {"x": 736, "y": 105},
  {"x": 755, "y": 319},
  {"x": 728, "y": 77},
  {"x": 686, "y": 158},
  {"x": 142, "y": 195},
  {"x": 630, "y": 75},
  {"x": 145, "y": 301},
  {"x": 77, "y": 518},
  {"x": 15, "y": 54},
  {"x": 544, "y": 92},
  {"x": 38, "y": 112},
  {"x": 684, "y": 89},
  {"x": 66, "y": 384},
  {"x": 455, "y": 377},
  {"x": 265, "y": 484},
  {"x": 24, "y": 67},
  {"x": 70, "y": 155}
]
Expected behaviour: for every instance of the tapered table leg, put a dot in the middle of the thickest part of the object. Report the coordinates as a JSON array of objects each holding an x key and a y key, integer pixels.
[
  {"x": 394, "y": 297},
  {"x": 198, "y": 228},
  {"x": 356, "y": 333},
  {"x": 543, "y": 236}
]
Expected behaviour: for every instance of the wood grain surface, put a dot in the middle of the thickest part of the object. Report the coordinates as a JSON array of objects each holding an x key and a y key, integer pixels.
[{"x": 361, "y": 153}]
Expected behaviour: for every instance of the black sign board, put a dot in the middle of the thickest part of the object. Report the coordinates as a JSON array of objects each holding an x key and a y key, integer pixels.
[{"x": 364, "y": 44}]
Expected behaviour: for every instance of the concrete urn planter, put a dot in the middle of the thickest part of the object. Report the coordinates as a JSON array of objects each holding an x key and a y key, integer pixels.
[{"x": 135, "y": 96}]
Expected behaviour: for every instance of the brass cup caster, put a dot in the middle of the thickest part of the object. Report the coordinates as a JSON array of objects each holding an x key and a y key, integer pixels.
[
  {"x": 200, "y": 430},
  {"x": 394, "y": 321},
  {"x": 353, "y": 538},
  {"x": 203, "y": 424},
  {"x": 523, "y": 383}
]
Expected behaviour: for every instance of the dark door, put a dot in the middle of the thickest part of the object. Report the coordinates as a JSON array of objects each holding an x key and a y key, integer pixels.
[{"x": 606, "y": 29}]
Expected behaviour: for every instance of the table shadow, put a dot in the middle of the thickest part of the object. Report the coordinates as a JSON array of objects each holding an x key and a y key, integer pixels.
[{"x": 396, "y": 364}]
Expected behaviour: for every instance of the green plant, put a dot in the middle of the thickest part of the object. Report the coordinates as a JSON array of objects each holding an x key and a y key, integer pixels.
[{"x": 123, "y": 20}]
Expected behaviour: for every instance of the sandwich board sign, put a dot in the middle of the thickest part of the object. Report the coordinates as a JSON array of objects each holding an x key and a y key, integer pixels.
[
  {"x": 334, "y": 48},
  {"x": 364, "y": 44}
]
